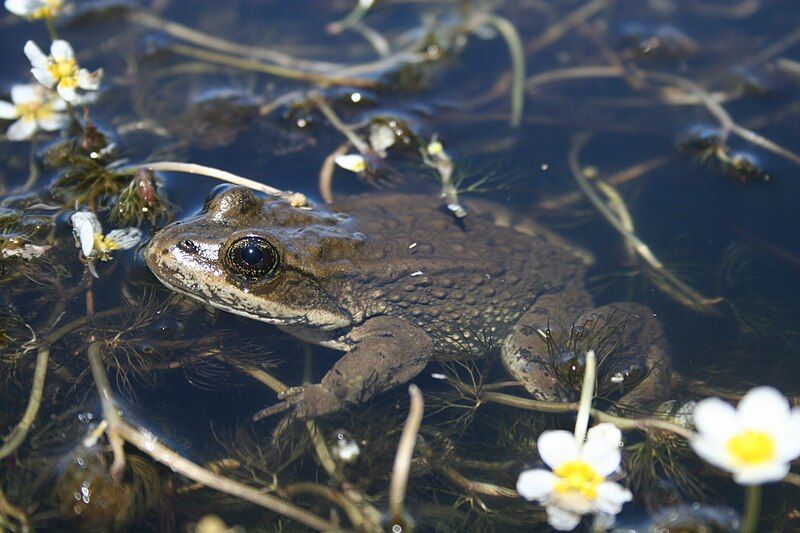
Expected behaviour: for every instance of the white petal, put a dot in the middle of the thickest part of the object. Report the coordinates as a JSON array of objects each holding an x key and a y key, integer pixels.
[
  {"x": 67, "y": 93},
  {"x": 556, "y": 447},
  {"x": 8, "y": 111},
  {"x": 562, "y": 520},
  {"x": 603, "y": 456},
  {"x": 351, "y": 162},
  {"x": 43, "y": 76},
  {"x": 21, "y": 8},
  {"x": 86, "y": 218},
  {"x": 89, "y": 81},
  {"x": 789, "y": 444},
  {"x": 611, "y": 497},
  {"x": 125, "y": 238},
  {"x": 712, "y": 451},
  {"x": 764, "y": 407},
  {"x": 535, "y": 484},
  {"x": 37, "y": 58},
  {"x": 607, "y": 432},
  {"x": 758, "y": 475},
  {"x": 53, "y": 122},
  {"x": 27, "y": 93},
  {"x": 21, "y": 130},
  {"x": 61, "y": 50},
  {"x": 715, "y": 417},
  {"x": 58, "y": 103}
]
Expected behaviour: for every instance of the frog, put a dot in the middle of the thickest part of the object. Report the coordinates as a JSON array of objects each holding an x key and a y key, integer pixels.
[{"x": 393, "y": 280}]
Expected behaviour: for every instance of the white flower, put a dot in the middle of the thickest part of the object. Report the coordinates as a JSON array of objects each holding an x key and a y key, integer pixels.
[
  {"x": 90, "y": 239},
  {"x": 60, "y": 70},
  {"x": 577, "y": 484},
  {"x": 352, "y": 162},
  {"x": 35, "y": 9},
  {"x": 35, "y": 108},
  {"x": 756, "y": 441},
  {"x": 381, "y": 138}
]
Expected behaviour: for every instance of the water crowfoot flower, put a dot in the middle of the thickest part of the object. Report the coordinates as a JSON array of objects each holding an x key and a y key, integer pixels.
[
  {"x": 93, "y": 244},
  {"x": 352, "y": 162},
  {"x": 35, "y": 9},
  {"x": 577, "y": 484},
  {"x": 35, "y": 108},
  {"x": 61, "y": 70},
  {"x": 755, "y": 441}
]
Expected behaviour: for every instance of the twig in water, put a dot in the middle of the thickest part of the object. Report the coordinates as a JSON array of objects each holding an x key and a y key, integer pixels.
[
  {"x": 20, "y": 431},
  {"x": 326, "y": 172},
  {"x": 273, "y": 70},
  {"x": 511, "y": 36},
  {"x": 405, "y": 450},
  {"x": 110, "y": 412},
  {"x": 678, "y": 289},
  {"x": 575, "y": 18},
  {"x": 294, "y": 199},
  {"x": 9, "y": 509},
  {"x": 200, "y": 38},
  {"x": 641, "y": 424}
]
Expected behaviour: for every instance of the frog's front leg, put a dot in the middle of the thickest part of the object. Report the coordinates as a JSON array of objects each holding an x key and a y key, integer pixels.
[{"x": 385, "y": 352}]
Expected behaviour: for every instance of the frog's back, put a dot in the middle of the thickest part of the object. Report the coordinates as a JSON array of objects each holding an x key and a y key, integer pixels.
[{"x": 460, "y": 280}]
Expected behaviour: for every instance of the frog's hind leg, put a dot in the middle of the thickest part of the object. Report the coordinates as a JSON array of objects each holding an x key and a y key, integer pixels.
[
  {"x": 633, "y": 356},
  {"x": 527, "y": 350},
  {"x": 385, "y": 352}
]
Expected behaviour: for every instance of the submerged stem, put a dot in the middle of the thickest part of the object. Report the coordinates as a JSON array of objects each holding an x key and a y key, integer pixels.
[
  {"x": 511, "y": 36},
  {"x": 20, "y": 431},
  {"x": 295, "y": 199},
  {"x": 752, "y": 509},
  {"x": 587, "y": 393},
  {"x": 405, "y": 450},
  {"x": 273, "y": 70}
]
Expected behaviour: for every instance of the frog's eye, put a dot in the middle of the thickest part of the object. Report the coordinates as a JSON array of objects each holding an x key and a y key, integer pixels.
[
  {"x": 622, "y": 379},
  {"x": 569, "y": 367},
  {"x": 251, "y": 258}
]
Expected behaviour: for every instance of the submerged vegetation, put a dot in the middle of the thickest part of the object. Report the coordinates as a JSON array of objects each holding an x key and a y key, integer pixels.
[{"x": 667, "y": 152}]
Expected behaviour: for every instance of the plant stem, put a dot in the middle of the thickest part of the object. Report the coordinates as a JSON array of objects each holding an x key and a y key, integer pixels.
[
  {"x": 20, "y": 431},
  {"x": 752, "y": 509},
  {"x": 402, "y": 460},
  {"x": 273, "y": 70},
  {"x": 51, "y": 28},
  {"x": 587, "y": 393},
  {"x": 514, "y": 43}
]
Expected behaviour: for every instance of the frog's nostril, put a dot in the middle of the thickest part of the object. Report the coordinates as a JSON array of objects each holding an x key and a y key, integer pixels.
[{"x": 187, "y": 246}]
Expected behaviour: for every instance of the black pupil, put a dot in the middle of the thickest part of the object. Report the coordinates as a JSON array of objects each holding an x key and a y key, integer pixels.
[{"x": 251, "y": 254}]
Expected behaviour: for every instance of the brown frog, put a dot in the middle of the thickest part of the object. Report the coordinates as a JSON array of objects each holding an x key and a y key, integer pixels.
[{"x": 393, "y": 279}]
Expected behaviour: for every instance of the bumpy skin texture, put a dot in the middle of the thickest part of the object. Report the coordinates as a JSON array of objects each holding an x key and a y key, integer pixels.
[{"x": 390, "y": 278}]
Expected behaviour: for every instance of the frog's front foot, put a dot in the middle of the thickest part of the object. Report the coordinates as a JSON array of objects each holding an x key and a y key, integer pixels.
[
  {"x": 303, "y": 402},
  {"x": 385, "y": 352}
]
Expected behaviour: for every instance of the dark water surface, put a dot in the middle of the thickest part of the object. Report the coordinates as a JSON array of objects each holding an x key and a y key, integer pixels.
[{"x": 627, "y": 89}]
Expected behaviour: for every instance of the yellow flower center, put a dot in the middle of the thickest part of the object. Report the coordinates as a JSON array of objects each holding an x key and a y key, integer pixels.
[
  {"x": 751, "y": 447},
  {"x": 34, "y": 110},
  {"x": 48, "y": 11},
  {"x": 65, "y": 71},
  {"x": 578, "y": 477},
  {"x": 104, "y": 246}
]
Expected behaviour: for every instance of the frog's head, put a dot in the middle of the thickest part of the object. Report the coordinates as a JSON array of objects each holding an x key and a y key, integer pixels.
[{"x": 261, "y": 258}]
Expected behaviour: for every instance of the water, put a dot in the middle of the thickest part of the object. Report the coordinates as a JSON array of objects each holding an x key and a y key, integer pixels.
[{"x": 617, "y": 85}]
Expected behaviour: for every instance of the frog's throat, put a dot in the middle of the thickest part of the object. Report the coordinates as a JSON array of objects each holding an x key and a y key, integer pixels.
[{"x": 319, "y": 319}]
